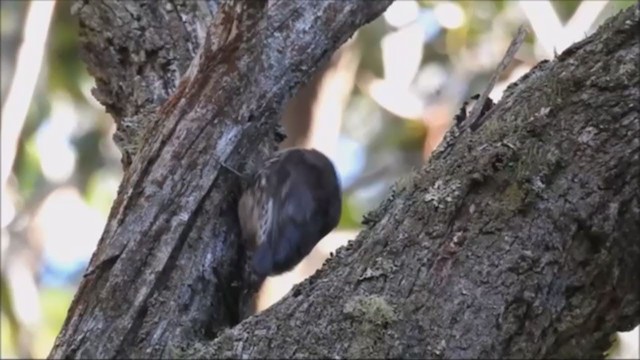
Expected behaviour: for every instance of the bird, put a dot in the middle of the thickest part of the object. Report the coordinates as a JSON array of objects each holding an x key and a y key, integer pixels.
[{"x": 288, "y": 206}]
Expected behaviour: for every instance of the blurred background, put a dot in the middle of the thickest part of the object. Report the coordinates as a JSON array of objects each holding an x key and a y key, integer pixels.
[{"x": 378, "y": 109}]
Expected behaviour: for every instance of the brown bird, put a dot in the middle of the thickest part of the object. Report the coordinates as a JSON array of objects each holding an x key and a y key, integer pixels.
[{"x": 291, "y": 203}]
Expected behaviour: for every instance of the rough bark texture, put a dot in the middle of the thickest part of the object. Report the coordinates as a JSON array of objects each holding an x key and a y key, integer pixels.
[
  {"x": 166, "y": 266},
  {"x": 519, "y": 241},
  {"x": 137, "y": 52}
]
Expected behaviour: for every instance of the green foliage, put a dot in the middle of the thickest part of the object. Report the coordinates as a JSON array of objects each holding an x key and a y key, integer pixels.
[
  {"x": 12, "y": 14},
  {"x": 6, "y": 346},
  {"x": 54, "y": 303},
  {"x": 409, "y": 136},
  {"x": 27, "y": 169},
  {"x": 68, "y": 70},
  {"x": 622, "y": 4},
  {"x": 7, "y": 318},
  {"x": 100, "y": 190},
  {"x": 368, "y": 42},
  {"x": 565, "y": 8},
  {"x": 89, "y": 157},
  {"x": 349, "y": 219}
]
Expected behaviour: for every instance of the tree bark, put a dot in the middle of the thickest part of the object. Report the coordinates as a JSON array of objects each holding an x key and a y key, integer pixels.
[
  {"x": 137, "y": 52},
  {"x": 518, "y": 241},
  {"x": 166, "y": 265}
]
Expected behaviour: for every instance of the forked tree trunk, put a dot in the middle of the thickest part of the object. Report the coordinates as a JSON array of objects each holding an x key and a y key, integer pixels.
[
  {"x": 521, "y": 240},
  {"x": 166, "y": 267}
]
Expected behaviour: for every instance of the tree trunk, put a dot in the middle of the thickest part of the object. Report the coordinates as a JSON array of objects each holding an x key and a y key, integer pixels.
[{"x": 520, "y": 240}]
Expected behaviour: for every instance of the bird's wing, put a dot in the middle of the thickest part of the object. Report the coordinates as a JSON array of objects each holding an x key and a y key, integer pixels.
[{"x": 291, "y": 224}]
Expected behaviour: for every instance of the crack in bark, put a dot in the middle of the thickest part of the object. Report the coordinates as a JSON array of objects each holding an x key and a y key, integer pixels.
[{"x": 163, "y": 276}]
